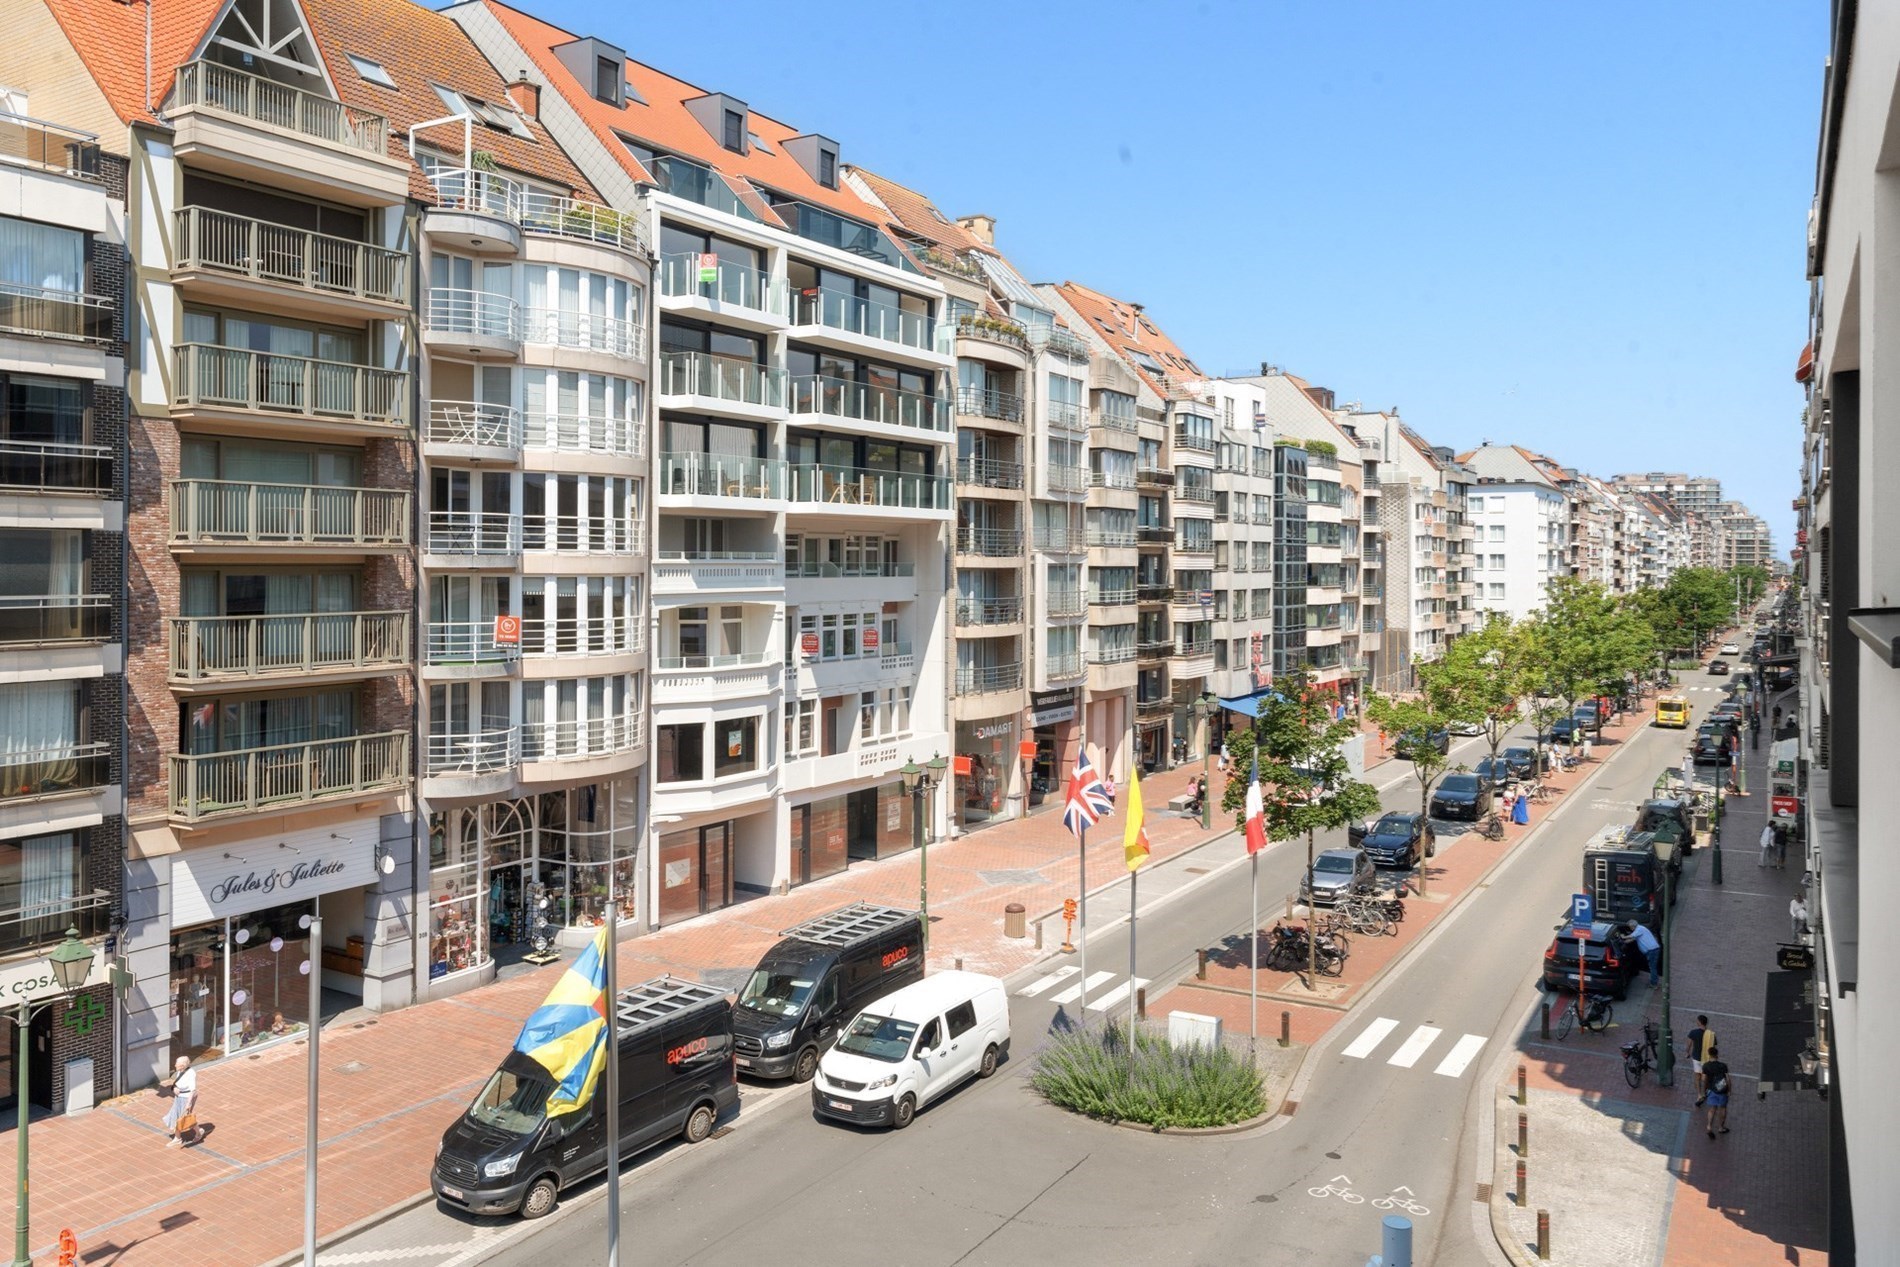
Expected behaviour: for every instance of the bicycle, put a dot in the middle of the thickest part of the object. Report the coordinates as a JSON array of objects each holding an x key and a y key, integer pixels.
[
  {"x": 1363, "y": 916},
  {"x": 1640, "y": 1054},
  {"x": 1491, "y": 828},
  {"x": 1594, "y": 1014}
]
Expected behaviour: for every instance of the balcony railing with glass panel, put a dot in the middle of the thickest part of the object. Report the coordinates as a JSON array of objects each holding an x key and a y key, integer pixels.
[
  {"x": 474, "y": 424},
  {"x": 817, "y": 484},
  {"x": 992, "y": 542},
  {"x": 1159, "y": 476},
  {"x": 583, "y": 331},
  {"x": 466, "y": 642},
  {"x": 1117, "y": 653},
  {"x": 48, "y": 466},
  {"x": 1154, "y": 534},
  {"x": 982, "y": 402},
  {"x": 989, "y": 611},
  {"x": 1150, "y": 650},
  {"x": 989, "y": 473},
  {"x": 855, "y": 238},
  {"x": 53, "y": 618},
  {"x": 473, "y": 313},
  {"x": 227, "y": 512},
  {"x": 721, "y": 475},
  {"x": 1066, "y": 664},
  {"x": 240, "y": 246},
  {"x": 824, "y": 396},
  {"x": 227, "y": 648},
  {"x": 687, "y": 274},
  {"x": 229, "y": 91},
  {"x": 472, "y": 752},
  {"x": 1110, "y": 538},
  {"x": 697, "y": 183},
  {"x": 1122, "y": 480},
  {"x": 580, "y": 737},
  {"x": 988, "y": 678},
  {"x": 52, "y": 313},
  {"x": 727, "y": 378},
  {"x": 1060, "y": 340},
  {"x": 39, "y": 923},
  {"x": 215, "y": 377},
  {"x": 215, "y": 784},
  {"x": 870, "y": 318},
  {"x": 49, "y": 147},
  {"x": 1067, "y": 479},
  {"x": 1064, "y": 415},
  {"x": 584, "y": 433},
  {"x": 1154, "y": 592},
  {"x": 537, "y": 211},
  {"x": 455, "y": 533},
  {"x": 605, "y": 636},
  {"x": 1066, "y": 602}
]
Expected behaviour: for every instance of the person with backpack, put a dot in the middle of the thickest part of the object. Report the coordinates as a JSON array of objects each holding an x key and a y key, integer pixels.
[
  {"x": 1715, "y": 1075},
  {"x": 1701, "y": 1041}
]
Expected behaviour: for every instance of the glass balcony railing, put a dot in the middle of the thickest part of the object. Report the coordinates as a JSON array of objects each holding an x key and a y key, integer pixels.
[
  {"x": 818, "y": 225},
  {"x": 691, "y": 274},
  {"x": 278, "y": 105},
  {"x": 884, "y": 322},
  {"x": 989, "y": 611},
  {"x": 988, "y": 678},
  {"x": 720, "y": 475},
  {"x": 45, "y": 922},
  {"x": 475, "y": 313},
  {"x": 583, "y": 331},
  {"x": 220, "y": 648},
  {"x": 824, "y": 396},
  {"x": 216, "y": 377},
  {"x": 49, "y": 466},
  {"x": 240, "y": 246},
  {"x": 51, "y": 313},
  {"x": 31, "y": 620},
  {"x": 726, "y": 378},
  {"x": 989, "y": 473},
  {"x": 981, "y": 402},
  {"x": 1060, "y": 340},
  {"x": 215, "y": 784},
  {"x": 697, "y": 183},
  {"x": 1067, "y": 479},
  {"x": 470, "y": 753},
  {"x": 861, "y": 486},
  {"x": 474, "y": 423},
  {"x": 50, "y": 771},
  {"x": 49, "y": 147},
  {"x": 1099, "y": 538},
  {"x": 584, "y": 433},
  {"x": 221, "y": 512}
]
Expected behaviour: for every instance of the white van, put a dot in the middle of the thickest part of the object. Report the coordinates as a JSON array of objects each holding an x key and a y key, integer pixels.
[{"x": 911, "y": 1047}]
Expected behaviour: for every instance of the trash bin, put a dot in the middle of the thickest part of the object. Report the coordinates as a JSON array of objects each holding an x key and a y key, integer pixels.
[{"x": 1015, "y": 922}]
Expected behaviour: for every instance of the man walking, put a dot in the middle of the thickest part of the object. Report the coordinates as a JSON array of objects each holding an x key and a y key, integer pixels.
[
  {"x": 1797, "y": 918},
  {"x": 1701, "y": 1042},
  {"x": 1781, "y": 844},
  {"x": 1767, "y": 843},
  {"x": 1638, "y": 934},
  {"x": 1715, "y": 1075},
  {"x": 181, "y": 1120}
]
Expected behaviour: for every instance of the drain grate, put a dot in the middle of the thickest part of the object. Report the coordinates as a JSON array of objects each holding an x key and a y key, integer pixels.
[
  {"x": 720, "y": 1133},
  {"x": 1289, "y": 1108},
  {"x": 1484, "y": 1194}
]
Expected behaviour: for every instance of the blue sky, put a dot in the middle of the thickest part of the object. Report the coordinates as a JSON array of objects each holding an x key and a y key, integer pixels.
[{"x": 1577, "y": 228}]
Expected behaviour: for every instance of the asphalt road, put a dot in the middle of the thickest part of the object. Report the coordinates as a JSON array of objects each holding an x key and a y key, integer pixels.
[{"x": 992, "y": 1175}]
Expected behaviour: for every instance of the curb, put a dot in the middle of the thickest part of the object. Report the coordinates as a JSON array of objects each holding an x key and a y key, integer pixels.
[{"x": 357, "y": 1228}]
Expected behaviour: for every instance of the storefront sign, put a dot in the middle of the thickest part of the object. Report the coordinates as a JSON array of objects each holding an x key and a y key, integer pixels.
[
  {"x": 1784, "y": 806},
  {"x": 33, "y": 979},
  {"x": 220, "y": 881},
  {"x": 1047, "y": 708},
  {"x": 808, "y": 643},
  {"x": 995, "y": 730}
]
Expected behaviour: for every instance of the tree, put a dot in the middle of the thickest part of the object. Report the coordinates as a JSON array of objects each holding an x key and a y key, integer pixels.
[
  {"x": 1306, "y": 785},
  {"x": 1584, "y": 641},
  {"x": 1694, "y": 601},
  {"x": 1754, "y": 582},
  {"x": 1421, "y": 721},
  {"x": 1482, "y": 679}
]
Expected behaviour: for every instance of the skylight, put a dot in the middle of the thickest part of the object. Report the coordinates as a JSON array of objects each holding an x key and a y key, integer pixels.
[
  {"x": 757, "y": 144},
  {"x": 373, "y": 72}
]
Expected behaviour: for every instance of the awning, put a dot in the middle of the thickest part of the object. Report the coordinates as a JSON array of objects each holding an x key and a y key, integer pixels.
[
  {"x": 1247, "y": 705},
  {"x": 1804, "y": 364},
  {"x": 1787, "y": 1030}
]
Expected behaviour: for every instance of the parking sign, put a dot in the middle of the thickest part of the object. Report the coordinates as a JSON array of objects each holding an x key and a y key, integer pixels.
[{"x": 1583, "y": 911}]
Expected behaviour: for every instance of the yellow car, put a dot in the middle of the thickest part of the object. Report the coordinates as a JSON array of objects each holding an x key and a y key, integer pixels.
[{"x": 1672, "y": 711}]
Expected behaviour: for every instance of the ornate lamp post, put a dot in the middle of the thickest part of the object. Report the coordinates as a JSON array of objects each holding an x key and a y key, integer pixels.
[
  {"x": 71, "y": 962},
  {"x": 1205, "y": 708},
  {"x": 920, "y": 781}
]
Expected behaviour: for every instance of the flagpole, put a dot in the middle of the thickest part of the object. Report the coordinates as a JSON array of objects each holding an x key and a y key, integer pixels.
[
  {"x": 1253, "y": 960},
  {"x": 1082, "y": 882},
  {"x": 1133, "y": 877},
  {"x": 613, "y": 1085}
]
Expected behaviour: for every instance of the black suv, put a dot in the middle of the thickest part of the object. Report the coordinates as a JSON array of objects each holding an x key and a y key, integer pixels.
[
  {"x": 1399, "y": 840},
  {"x": 1523, "y": 761},
  {"x": 1439, "y": 739},
  {"x": 1608, "y": 964},
  {"x": 1462, "y": 795}
]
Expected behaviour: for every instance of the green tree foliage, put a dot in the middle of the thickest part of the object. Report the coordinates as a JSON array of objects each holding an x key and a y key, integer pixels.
[
  {"x": 1483, "y": 678},
  {"x": 1695, "y": 601}
]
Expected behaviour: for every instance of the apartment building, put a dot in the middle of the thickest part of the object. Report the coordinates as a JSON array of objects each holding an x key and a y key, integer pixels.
[
  {"x": 1746, "y": 539},
  {"x": 1520, "y": 525},
  {"x": 1362, "y": 524},
  {"x": 1241, "y": 580},
  {"x": 804, "y": 492},
  {"x": 1414, "y": 516},
  {"x": 1698, "y": 498},
  {"x": 63, "y": 174}
]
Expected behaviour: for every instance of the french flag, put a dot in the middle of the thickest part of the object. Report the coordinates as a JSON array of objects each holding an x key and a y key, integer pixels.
[{"x": 1256, "y": 811}]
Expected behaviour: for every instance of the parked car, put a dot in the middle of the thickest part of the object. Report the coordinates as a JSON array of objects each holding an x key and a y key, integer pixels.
[
  {"x": 1608, "y": 968},
  {"x": 1439, "y": 739},
  {"x": 1711, "y": 748},
  {"x": 1669, "y": 812},
  {"x": 1729, "y": 648},
  {"x": 1400, "y": 840},
  {"x": 1523, "y": 761},
  {"x": 912, "y": 1047},
  {"x": 1496, "y": 770},
  {"x": 1336, "y": 872},
  {"x": 1463, "y": 794},
  {"x": 1564, "y": 730},
  {"x": 1465, "y": 729},
  {"x": 1718, "y": 667}
]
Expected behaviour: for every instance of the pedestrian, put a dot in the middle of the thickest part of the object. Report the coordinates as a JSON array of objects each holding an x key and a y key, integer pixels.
[
  {"x": 1701, "y": 1039},
  {"x": 1639, "y": 935},
  {"x": 1586, "y": 745},
  {"x": 1715, "y": 1077},
  {"x": 1777, "y": 717},
  {"x": 181, "y": 1120},
  {"x": 1767, "y": 843},
  {"x": 1781, "y": 844},
  {"x": 1797, "y": 918},
  {"x": 1108, "y": 786}
]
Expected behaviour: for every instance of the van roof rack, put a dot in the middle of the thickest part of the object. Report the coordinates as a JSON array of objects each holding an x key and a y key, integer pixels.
[
  {"x": 660, "y": 999},
  {"x": 849, "y": 924}
]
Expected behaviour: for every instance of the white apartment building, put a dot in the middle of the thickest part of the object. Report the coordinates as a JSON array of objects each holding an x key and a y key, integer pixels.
[{"x": 1520, "y": 525}]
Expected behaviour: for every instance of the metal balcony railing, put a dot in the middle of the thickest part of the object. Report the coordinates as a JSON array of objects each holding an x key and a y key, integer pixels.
[
  {"x": 1067, "y": 664},
  {"x": 583, "y": 331},
  {"x": 475, "y": 423},
  {"x": 989, "y": 473},
  {"x": 991, "y": 542},
  {"x": 1123, "y": 596},
  {"x": 43, "y": 922},
  {"x": 1120, "y": 653},
  {"x": 213, "y": 784},
  {"x": 719, "y": 475},
  {"x": 454, "y": 532},
  {"x": 245, "y": 247},
  {"x": 584, "y": 433},
  {"x": 1192, "y": 441},
  {"x": 579, "y": 534},
  {"x": 1066, "y": 415},
  {"x": 537, "y": 211},
  {"x": 67, "y": 768},
  {"x": 1159, "y": 476},
  {"x": 472, "y": 313},
  {"x": 1060, "y": 340},
  {"x": 983, "y": 402},
  {"x": 580, "y": 737},
  {"x": 829, "y": 397},
  {"x": 466, "y": 642},
  {"x": 225, "y": 512},
  {"x": 211, "y": 376},
  {"x": 1065, "y": 602},
  {"x": 1109, "y": 538},
  {"x": 726, "y": 378},
  {"x": 610, "y": 635},
  {"x": 867, "y": 317},
  {"x": 1154, "y": 534},
  {"x": 1152, "y": 649},
  {"x": 51, "y": 466},
  {"x": 985, "y": 679},
  {"x": 860, "y": 486},
  {"x": 995, "y": 329},
  {"x": 1195, "y": 544},
  {"x": 729, "y": 284},
  {"x": 989, "y": 611},
  {"x": 218, "y": 648},
  {"x": 1126, "y": 424},
  {"x": 1067, "y": 479},
  {"x": 1197, "y": 494},
  {"x": 205, "y": 84},
  {"x": 706, "y": 663},
  {"x": 1057, "y": 539},
  {"x": 472, "y": 752},
  {"x": 1154, "y": 592},
  {"x": 1150, "y": 705},
  {"x": 1124, "y": 480},
  {"x": 816, "y": 568},
  {"x": 49, "y": 147},
  {"x": 27, "y": 620},
  {"x": 51, "y": 313}
]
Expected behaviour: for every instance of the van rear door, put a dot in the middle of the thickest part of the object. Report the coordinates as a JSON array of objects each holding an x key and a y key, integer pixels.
[
  {"x": 644, "y": 1079},
  {"x": 966, "y": 1042}
]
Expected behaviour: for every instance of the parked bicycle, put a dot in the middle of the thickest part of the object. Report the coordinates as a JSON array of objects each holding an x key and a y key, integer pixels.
[
  {"x": 1492, "y": 827},
  {"x": 1640, "y": 1055},
  {"x": 1593, "y": 1014},
  {"x": 1366, "y": 915}
]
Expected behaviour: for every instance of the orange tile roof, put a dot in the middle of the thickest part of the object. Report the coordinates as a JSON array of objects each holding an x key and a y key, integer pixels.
[
  {"x": 1127, "y": 330},
  {"x": 110, "y": 39},
  {"x": 917, "y": 213},
  {"x": 420, "y": 47},
  {"x": 664, "y": 123}
]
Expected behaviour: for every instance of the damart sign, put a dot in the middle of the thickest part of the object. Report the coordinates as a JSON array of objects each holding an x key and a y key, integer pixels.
[{"x": 234, "y": 880}]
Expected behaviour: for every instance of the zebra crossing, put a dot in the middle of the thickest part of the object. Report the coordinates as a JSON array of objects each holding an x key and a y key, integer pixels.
[
  {"x": 1414, "y": 1047},
  {"x": 1101, "y": 997}
]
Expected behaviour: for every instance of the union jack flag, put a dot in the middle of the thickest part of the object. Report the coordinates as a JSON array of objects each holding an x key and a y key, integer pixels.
[{"x": 1088, "y": 801}]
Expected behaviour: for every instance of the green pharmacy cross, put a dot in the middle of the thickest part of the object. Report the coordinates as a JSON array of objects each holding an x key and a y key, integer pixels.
[{"x": 84, "y": 1013}]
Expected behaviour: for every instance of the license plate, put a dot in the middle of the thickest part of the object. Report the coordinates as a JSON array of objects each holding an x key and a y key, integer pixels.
[
  {"x": 454, "y": 1193},
  {"x": 744, "y": 1062},
  {"x": 843, "y": 1106}
]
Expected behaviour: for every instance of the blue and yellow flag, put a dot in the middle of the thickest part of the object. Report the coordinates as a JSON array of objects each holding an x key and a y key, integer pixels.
[{"x": 567, "y": 1034}]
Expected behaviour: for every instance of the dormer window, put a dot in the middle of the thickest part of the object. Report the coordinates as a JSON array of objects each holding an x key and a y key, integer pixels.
[
  {"x": 607, "y": 80},
  {"x": 828, "y": 169},
  {"x": 734, "y": 134}
]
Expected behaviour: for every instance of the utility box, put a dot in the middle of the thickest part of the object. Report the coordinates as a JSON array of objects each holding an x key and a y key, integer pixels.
[
  {"x": 1191, "y": 1029},
  {"x": 79, "y": 1097}
]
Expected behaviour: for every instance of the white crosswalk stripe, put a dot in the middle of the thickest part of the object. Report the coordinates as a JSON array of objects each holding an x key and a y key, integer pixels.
[
  {"x": 1373, "y": 1035},
  {"x": 1095, "y": 982},
  {"x": 1415, "y": 1046},
  {"x": 1117, "y": 997},
  {"x": 1043, "y": 983},
  {"x": 1410, "y": 1052},
  {"x": 1459, "y": 1058}
]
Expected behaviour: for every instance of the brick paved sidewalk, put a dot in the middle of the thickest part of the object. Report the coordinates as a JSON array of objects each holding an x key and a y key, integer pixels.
[
  {"x": 1630, "y": 1176},
  {"x": 391, "y": 1083}
]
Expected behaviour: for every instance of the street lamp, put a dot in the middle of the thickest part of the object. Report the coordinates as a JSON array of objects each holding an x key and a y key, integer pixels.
[
  {"x": 920, "y": 781},
  {"x": 71, "y": 962},
  {"x": 1205, "y": 707}
]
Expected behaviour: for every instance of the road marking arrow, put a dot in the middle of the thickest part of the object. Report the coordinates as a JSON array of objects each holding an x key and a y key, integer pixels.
[
  {"x": 1406, "y": 1191},
  {"x": 1342, "y": 1179}
]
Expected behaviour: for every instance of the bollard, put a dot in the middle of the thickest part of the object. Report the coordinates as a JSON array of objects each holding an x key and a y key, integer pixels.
[
  {"x": 1545, "y": 1026},
  {"x": 1141, "y": 1003},
  {"x": 1543, "y": 1234},
  {"x": 1014, "y": 919},
  {"x": 1715, "y": 844},
  {"x": 1286, "y": 1029},
  {"x": 1523, "y": 1135},
  {"x": 959, "y": 963},
  {"x": 1395, "y": 1242},
  {"x": 1523, "y": 1096},
  {"x": 1200, "y": 966},
  {"x": 1038, "y": 934},
  {"x": 1523, "y": 1185}
]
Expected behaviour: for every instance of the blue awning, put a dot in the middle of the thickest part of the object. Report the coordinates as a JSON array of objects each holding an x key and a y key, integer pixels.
[{"x": 1247, "y": 705}]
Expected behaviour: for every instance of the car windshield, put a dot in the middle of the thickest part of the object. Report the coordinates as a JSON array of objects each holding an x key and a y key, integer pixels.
[
  {"x": 1392, "y": 825},
  {"x": 879, "y": 1037},
  {"x": 1517, "y": 754},
  {"x": 511, "y": 1103},
  {"x": 1332, "y": 862},
  {"x": 1459, "y": 783},
  {"x": 775, "y": 992}
]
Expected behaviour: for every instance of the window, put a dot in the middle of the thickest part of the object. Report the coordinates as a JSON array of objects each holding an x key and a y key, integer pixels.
[
  {"x": 827, "y": 169},
  {"x": 1497, "y": 532},
  {"x": 961, "y": 1019},
  {"x": 371, "y": 71},
  {"x": 734, "y": 138},
  {"x": 738, "y": 746},
  {"x": 607, "y": 80},
  {"x": 1477, "y": 505},
  {"x": 682, "y": 752}
]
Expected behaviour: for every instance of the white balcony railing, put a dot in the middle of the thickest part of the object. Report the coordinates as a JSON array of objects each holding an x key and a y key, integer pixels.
[
  {"x": 473, "y": 313},
  {"x": 583, "y": 331},
  {"x": 474, "y": 423},
  {"x": 584, "y": 433},
  {"x": 465, "y": 642},
  {"x": 218, "y": 241},
  {"x": 580, "y": 737},
  {"x": 450, "y": 532},
  {"x": 278, "y": 105},
  {"x": 213, "y": 512},
  {"x": 472, "y": 752},
  {"x": 212, "y": 376},
  {"x": 537, "y": 211}
]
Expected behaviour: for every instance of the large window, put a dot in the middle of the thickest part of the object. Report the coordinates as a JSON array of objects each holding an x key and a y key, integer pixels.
[
  {"x": 682, "y": 752},
  {"x": 735, "y": 746},
  {"x": 43, "y": 584},
  {"x": 42, "y": 725},
  {"x": 231, "y": 725},
  {"x": 40, "y": 876}
]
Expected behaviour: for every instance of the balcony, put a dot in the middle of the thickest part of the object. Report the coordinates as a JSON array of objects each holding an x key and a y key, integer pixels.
[
  {"x": 988, "y": 679},
  {"x": 222, "y": 649},
  {"x": 584, "y": 433},
  {"x": 1154, "y": 476},
  {"x": 1109, "y": 538},
  {"x": 581, "y": 534},
  {"x": 53, "y": 466},
  {"x": 720, "y": 384},
  {"x": 989, "y": 611},
  {"x": 820, "y": 314},
  {"x": 1060, "y": 340},
  {"x": 584, "y": 332},
  {"x": 1153, "y": 650},
  {"x": 739, "y": 293},
  {"x": 457, "y": 534},
  {"x": 995, "y": 543},
  {"x": 1154, "y": 705},
  {"x": 467, "y": 645},
  {"x": 361, "y": 399},
  {"x": 1154, "y": 534},
  {"x": 207, "y": 85},
  {"x": 1067, "y": 479},
  {"x": 580, "y": 738},
  {"x": 1064, "y": 602},
  {"x": 48, "y": 147},
  {"x": 992, "y": 329},
  {"x": 853, "y": 486},
  {"x": 54, "y": 619},
  {"x": 1122, "y": 597},
  {"x": 477, "y": 322},
  {"x": 48, "y": 313},
  {"x": 698, "y": 679},
  {"x": 1119, "y": 654},
  {"x": 897, "y": 657},
  {"x": 248, "y": 780},
  {"x": 1117, "y": 423},
  {"x": 55, "y": 771},
  {"x": 1192, "y": 441},
  {"x": 39, "y": 924},
  {"x": 1154, "y": 592},
  {"x": 239, "y": 124},
  {"x": 472, "y": 754},
  {"x": 464, "y": 192},
  {"x": 1120, "y": 480},
  {"x": 983, "y": 402},
  {"x": 1064, "y": 666},
  {"x": 1056, "y": 539},
  {"x": 1194, "y": 494},
  {"x": 211, "y": 513},
  {"x": 721, "y": 477},
  {"x": 572, "y": 637},
  {"x": 718, "y": 572},
  {"x": 331, "y": 271},
  {"x": 1195, "y": 545},
  {"x": 989, "y": 473},
  {"x": 473, "y": 429},
  {"x": 817, "y": 395}
]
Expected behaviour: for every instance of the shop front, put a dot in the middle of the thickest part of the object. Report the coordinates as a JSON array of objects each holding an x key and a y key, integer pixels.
[
  {"x": 831, "y": 833},
  {"x": 1151, "y": 744},
  {"x": 1053, "y": 730},
  {"x": 984, "y": 770}
]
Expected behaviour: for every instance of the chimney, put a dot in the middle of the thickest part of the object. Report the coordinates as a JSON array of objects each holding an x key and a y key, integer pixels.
[
  {"x": 525, "y": 95},
  {"x": 982, "y": 228}
]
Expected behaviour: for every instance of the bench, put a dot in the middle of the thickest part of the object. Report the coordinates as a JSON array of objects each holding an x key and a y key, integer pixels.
[{"x": 1180, "y": 803}]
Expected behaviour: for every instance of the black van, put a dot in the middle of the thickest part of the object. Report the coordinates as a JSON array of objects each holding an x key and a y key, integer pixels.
[
  {"x": 818, "y": 978},
  {"x": 676, "y": 1077}
]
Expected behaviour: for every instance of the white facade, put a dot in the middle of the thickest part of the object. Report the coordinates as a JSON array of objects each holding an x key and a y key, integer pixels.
[{"x": 1517, "y": 546}]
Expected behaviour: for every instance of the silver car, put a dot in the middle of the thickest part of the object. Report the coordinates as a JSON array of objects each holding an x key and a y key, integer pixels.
[{"x": 1337, "y": 872}]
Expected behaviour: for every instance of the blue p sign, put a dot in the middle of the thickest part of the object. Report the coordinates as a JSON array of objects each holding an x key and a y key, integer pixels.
[{"x": 1583, "y": 911}]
